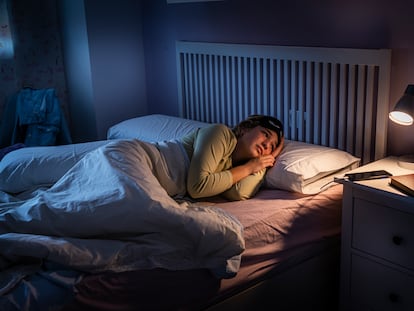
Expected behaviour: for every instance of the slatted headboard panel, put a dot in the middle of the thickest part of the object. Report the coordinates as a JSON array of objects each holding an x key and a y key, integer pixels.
[{"x": 327, "y": 96}]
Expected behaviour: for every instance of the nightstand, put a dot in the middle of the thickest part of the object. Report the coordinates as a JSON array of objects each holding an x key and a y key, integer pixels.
[{"x": 377, "y": 250}]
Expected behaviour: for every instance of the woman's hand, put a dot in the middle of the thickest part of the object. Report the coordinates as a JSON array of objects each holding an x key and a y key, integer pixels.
[
  {"x": 259, "y": 163},
  {"x": 256, "y": 164}
]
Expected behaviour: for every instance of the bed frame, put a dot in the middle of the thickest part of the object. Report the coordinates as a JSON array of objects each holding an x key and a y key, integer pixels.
[
  {"x": 327, "y": 96},
  {"x": 312, "y": 284}
]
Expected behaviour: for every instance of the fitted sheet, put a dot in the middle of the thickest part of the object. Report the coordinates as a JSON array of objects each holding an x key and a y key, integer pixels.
[{"x": 282, "y": 228}]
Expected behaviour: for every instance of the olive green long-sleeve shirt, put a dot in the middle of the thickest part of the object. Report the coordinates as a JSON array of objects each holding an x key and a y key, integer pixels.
[{"x": 210, "y": 150}]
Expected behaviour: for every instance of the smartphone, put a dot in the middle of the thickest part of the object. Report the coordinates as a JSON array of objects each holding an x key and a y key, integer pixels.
[{"x": 368, "y": 175}]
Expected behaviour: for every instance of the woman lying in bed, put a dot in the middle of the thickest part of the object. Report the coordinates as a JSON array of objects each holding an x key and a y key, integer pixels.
[
  {"x": 232, "y": 162},
  {"x": 115, "y": 209}
]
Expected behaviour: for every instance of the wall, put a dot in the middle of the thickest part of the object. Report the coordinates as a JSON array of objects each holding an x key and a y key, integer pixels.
[
  {"x": 117, "y": 61},
  {"x": 78, "y": 70},
  {"x": 104, "y": 57},
  {"x": 335, "y": 23}
]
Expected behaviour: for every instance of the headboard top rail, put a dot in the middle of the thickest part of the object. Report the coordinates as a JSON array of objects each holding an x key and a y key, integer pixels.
[{"x": 299, "y": 53}]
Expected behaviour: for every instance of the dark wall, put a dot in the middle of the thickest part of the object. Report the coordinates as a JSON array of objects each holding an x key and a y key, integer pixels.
[
  {"x": 117, "y": 60},
  {"x": 78, "y": 70},
  {"x": 334, "y": 23},
  {"x": 104, "y": 59}
]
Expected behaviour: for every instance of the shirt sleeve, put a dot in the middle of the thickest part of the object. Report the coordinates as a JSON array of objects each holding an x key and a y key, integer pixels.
[
  {"x": 209, "y": 173},
  {"x": 245, "y": 188}
]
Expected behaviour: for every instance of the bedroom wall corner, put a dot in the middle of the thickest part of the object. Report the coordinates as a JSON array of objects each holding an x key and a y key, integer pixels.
[
  {"x": 115, "y": 39},
  {"x": 78, "y": 73},
  {"x": 105, "y": 66}
]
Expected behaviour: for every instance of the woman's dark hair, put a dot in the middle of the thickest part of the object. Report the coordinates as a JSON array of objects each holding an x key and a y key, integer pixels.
[{"x": 268, "y": 122}]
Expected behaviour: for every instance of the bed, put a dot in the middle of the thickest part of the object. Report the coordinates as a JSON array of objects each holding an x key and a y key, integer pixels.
[{"x": 279, "y": 249}]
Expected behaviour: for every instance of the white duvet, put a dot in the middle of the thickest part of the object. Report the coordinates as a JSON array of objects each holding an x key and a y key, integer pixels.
[{"x": 114, "y": 211}]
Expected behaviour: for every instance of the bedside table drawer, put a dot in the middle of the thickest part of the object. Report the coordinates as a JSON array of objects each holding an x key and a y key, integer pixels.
[
  {"x": 384, "y": 232},
  {"x": 376, "y": 287}
]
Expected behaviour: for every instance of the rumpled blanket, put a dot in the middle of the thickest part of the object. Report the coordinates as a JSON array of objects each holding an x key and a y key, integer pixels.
[{"x": 115, "y": 211}]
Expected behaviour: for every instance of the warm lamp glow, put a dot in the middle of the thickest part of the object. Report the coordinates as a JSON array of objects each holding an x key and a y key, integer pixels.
[
  {"x": 404, "y": 109},
  {"x": 401, "y": 118}
]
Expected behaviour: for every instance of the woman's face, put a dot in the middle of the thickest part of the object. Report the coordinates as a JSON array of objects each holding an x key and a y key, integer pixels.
[{"x": 256, "y": 142}]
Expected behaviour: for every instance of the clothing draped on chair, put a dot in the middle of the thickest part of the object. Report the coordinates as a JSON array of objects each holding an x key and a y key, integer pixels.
[{"x": 34, "y": 117}]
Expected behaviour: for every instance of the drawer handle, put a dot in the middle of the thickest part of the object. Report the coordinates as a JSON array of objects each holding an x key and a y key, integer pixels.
[
  {"x": 397, "y": 240},
  {"x": 393, "y": 297}
]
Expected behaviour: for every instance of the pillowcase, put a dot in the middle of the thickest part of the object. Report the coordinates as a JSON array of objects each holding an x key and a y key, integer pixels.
[
  {"x": 308, "y": 168},
  {"x": 154, "y": 127},
  {"x": 30, "y": 167}
]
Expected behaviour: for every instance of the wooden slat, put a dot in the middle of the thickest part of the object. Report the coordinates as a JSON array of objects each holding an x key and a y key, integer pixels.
[
  {"x": 333, "y": 106},
  {"x": 351, "y": 110},
  {"x": 317, "y": 105},
  {"x": 325, "y": 104},
  {"x": 368, "y": 122},
  {"x": 309, "y": 102},
  {"x": 342, "y": 103},
  {"x": 360, "y": 111}
]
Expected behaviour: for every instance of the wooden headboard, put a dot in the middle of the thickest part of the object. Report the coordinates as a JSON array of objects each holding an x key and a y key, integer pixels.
[{"x": 327, "y": 96}]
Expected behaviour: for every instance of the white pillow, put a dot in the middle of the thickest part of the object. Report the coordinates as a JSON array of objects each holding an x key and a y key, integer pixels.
[
  {"x": 29, "y": 167},
  {"x": 308, "y": 168},
  {"x": 154, "y": 127}
]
